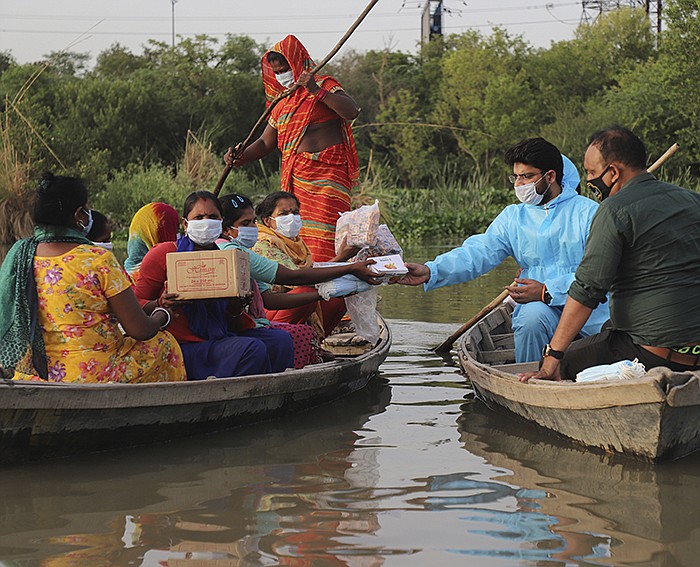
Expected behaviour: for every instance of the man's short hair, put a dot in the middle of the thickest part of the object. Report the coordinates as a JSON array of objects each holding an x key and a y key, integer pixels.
[
  {"x": 622, "y": 145},
  {"x": 538, "y": 153}
]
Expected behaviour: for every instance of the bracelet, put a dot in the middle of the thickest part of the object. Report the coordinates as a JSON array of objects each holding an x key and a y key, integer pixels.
[
  {"x": 321, "y": 93},
  {"x": 167, "y": 314},
  {"x": 544, "y": 289}
]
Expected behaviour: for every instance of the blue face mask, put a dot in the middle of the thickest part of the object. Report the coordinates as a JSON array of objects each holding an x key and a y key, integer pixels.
[
  {"x": 86, "y": 228},
  {"x": 247, "y": 236}
]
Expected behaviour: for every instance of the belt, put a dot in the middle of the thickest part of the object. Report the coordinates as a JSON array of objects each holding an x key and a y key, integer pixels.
[{"x": 673, "y": 356}]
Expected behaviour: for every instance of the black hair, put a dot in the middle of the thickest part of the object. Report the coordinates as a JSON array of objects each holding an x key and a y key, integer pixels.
[
  {"x": 620, "y": 144},
  {"x": 100, "y": 224},
  {"x": 233, "y": 206},
  {"x": 538, "y": 153},
  {"x": 273, "y": 56},
  {"x": 267, "y": 206},
  {"x": 57, "y": 198},
  {"x": 195, "y": 196}
]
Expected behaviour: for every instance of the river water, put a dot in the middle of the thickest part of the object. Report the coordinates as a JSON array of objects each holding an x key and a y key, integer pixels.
[{"x": 411, "y": 471}]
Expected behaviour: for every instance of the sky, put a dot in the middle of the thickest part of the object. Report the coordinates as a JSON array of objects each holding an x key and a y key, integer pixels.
[{"x": 30, "y": 29}]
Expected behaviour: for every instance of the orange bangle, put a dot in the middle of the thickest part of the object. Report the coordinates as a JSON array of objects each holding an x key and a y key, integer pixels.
[{"x": 544, "y": 289}]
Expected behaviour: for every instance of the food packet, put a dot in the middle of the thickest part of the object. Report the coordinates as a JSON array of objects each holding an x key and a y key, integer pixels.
[
  {"x": 384, "y": 245},
  {"x": 358, "y": 226}
]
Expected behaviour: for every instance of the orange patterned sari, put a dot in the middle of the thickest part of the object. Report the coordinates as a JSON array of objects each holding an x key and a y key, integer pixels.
[{"x": 322, "y": 181}]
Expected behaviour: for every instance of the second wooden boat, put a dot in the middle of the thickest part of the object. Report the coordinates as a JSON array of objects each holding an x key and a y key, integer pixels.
[{"x": 655, "y": 417}]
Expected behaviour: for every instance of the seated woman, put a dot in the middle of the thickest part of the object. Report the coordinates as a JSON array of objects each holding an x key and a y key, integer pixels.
[
  {"x": 279, "y": 241},
  {"x": 240, "y": 229},
  {"x": 101, "y": 232},
  {"x": 63, "y": 298},
  {"x": 152, "y": 224},
  {"x": 210, "y": 333}
]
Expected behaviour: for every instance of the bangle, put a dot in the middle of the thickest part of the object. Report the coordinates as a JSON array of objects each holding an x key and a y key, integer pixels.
[
  {"x": 544, "y": 289},
  {"x": 321, "y": 93},
  {"x": 167, "y": 314}
]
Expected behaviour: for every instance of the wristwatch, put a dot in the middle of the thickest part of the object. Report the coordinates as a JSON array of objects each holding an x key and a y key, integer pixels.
[
  {"x": 549, "y": 351},
  {"x": 546, "y": 297}
]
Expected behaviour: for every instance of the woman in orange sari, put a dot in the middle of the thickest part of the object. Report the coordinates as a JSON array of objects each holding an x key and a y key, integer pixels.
[{"x": 311, "y": 128}]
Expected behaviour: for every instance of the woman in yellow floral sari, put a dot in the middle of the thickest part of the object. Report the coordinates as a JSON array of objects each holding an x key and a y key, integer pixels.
[{"x": 62, "y": 300}]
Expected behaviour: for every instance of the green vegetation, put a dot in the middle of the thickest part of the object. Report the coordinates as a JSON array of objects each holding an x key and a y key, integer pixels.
[{"x": 430, "y": 137}]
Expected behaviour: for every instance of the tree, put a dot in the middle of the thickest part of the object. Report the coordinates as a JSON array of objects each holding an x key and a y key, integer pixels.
[{"x": 485, "y": 92}]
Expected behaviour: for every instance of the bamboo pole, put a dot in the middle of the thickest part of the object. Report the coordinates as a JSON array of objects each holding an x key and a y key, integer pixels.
[
  {"x": 446, "y": 345},
  {"x": 241, "y": 146},
  {"x": 659, "y": 162}
]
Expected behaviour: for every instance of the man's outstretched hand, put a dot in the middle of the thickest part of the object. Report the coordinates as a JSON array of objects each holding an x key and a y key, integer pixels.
[{"x": 417, "y": 274}]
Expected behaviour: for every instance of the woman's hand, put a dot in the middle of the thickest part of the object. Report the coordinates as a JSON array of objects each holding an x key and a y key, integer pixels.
[
  {"x": 345, "y": 251},
  {"x": 362, "y": 271},
  {"x": 232, "y": 159},
  {"x": 525, "y": 290},
  {"x": 308, "y": 81},
  {"x": 168, "y": 300}
]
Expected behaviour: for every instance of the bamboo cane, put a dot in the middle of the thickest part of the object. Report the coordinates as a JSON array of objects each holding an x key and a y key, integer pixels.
[
  {"x": 241, "y": 146},
  {"x": 659, "y": 162},
  {"x": 446, "y": 345}
]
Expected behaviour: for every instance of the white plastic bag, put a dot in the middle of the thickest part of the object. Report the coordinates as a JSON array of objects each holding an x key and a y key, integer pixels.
[
  {"x": 342, "y": 286},
  {"x": 358, "y": 226},
  {"x": 362, "y": 309},
  {"x": 622, "y": 370}
]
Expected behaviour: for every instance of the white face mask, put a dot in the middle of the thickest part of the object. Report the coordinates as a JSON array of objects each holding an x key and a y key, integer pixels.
[
  {"x": 204, "y": 231},
  {"x": 288, "y": 225},
  {"x": 105, "y": 245},
  {"x": 247, "y": 236},
  {"x": 528, "y": 194},
  {"x": 86, "y": 228},
  {"x": 285, "y": 79}
]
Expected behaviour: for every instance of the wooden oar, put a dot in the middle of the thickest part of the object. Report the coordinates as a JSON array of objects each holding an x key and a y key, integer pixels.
[
  {"x": 446, "y": 345},
  {"x": 241, "y": 146}
]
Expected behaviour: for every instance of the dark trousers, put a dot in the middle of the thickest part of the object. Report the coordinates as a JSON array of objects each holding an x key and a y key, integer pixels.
[{"x": 608, "y": 347}]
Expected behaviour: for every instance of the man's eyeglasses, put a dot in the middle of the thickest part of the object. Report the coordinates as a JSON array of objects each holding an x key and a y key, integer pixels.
[{"x": 523, "y": 176}]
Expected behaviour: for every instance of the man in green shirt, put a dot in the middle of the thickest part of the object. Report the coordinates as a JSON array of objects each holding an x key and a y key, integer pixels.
[{"x": 644, "y": 248}]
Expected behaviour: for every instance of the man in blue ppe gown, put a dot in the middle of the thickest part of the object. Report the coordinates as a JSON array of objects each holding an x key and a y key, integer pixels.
[{"x": 545, "y": 233}]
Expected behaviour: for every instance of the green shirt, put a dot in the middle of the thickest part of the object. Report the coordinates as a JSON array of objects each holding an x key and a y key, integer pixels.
[{"x": 644, "y": 247}]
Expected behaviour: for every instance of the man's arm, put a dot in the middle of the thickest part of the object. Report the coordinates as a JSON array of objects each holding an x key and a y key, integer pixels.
[{"x": 573, "y": 318}]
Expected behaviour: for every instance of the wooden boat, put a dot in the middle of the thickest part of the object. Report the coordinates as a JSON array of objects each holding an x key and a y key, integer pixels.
[
  {"x": 655, "y": 417},
  {"x": 54, "y": 419}
]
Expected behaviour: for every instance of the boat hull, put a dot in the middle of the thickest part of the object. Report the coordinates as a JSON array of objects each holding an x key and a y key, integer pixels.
[
  {"x": 40, "y": 420},
  {"x": 656, "y": 417}
]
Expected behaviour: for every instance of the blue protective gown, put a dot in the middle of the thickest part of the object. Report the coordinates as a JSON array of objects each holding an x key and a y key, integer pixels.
[{"x": 547, "y": 242}]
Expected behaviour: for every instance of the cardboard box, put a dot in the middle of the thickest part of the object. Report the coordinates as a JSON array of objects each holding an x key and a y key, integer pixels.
[{"x": 209, "y": 274}]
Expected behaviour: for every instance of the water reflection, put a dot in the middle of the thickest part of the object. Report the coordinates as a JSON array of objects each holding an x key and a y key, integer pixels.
[
  {"x": 607, "y": 510},
  {"x": 220, "y": 497}
]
